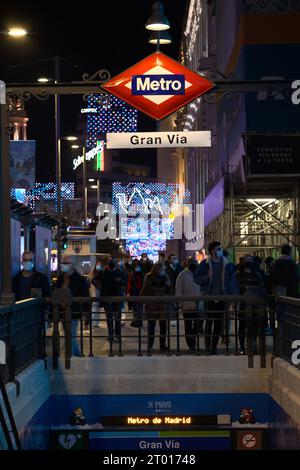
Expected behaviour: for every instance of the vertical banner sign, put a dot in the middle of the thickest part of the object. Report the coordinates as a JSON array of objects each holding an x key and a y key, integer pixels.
[
  {"x": 158, "y": 85},
  {"x": 100, "y": 156},
  {"x": 22, "y": 163}
]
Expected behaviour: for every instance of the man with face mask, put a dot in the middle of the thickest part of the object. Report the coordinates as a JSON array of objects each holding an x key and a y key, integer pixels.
[
  {"x": 71, "y": 279},
  {"x": 28, "y": 278},
  {"x": 146, "y": 264},
  {"x": 216, "y": 276}
]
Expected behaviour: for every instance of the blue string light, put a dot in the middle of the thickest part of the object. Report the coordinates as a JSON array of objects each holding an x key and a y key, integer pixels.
[{"x": 113, "y": 115}]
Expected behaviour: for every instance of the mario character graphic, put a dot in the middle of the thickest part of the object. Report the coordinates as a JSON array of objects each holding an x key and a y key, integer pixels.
[{"x": 247, "y": 416}]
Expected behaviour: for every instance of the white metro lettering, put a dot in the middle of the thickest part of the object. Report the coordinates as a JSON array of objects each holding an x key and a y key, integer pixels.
[
  {"x": 166, "y": 85},
  {"x": 158, "y": 84}
]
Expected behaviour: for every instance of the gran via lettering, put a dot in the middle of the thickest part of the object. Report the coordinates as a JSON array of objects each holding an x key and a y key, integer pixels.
[{"x": 171, "y": 139}]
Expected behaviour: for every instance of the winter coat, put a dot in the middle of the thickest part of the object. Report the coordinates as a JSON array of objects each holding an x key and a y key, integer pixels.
[
  {"x": 284, "y": 273},
  {"x": 156, "y": 287},
  {"x": 39, "y": 281},
  {"x": 186, "y": 286},
  {"x": 79, "y": 288},
  {"x": 173, "y": 274},
  {"x": 229, "y": 281},
  {"x": 114, "y": 283}
]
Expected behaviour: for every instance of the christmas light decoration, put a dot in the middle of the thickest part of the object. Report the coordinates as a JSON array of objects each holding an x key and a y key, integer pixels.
[
  {"x": 147, "y": 212},
  {"x": 43, "y": 191},
  {"x": 112, "y": 115}
]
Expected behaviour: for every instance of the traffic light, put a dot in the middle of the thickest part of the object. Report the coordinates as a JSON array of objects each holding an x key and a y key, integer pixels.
[
  {"x": 64, "y": 234},
  {"x": 64, "y": 243}
]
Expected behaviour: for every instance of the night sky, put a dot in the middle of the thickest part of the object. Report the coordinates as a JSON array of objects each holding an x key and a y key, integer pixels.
[{"x": 89, "y": 36}]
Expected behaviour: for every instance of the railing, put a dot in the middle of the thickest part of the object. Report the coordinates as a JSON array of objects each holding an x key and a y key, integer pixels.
[
  {"x": 30, "y": 335},
  {"x": 288, "y": 338},
  {"x": 92, "y": 326},
  {"x": 22, "y": 331}
]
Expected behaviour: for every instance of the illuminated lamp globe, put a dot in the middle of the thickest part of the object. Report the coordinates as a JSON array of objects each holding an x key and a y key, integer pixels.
[
  {"x": 163, "y": 36},
  {"x": 157, "y": 20}
]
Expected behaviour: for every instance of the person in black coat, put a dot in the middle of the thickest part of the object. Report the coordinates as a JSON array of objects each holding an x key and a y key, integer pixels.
[
  {"x": 113, "y": 285},
  {"x": 78, "y": 286},
  {"x": 28, "y": 278},
  {"x": 284, "y": 273}
]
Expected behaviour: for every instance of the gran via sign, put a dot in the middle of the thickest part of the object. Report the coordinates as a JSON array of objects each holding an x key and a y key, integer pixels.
[
  {"x": 142, "y": 140},
  {"x": 158, "y": 85}
]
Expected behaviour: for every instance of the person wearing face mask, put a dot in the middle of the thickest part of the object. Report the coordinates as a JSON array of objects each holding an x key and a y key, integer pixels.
[
  {"x": 173, "y": 268},
  {"x": 121, "y": 269},
  {"x": 78, "y": 286},
  {"x": 162, "y": 258},
  {"x": 156, "y": 283},
  {"x": 95, "y": 279},
  {"x": 249, "y": 277},
  {"x": 28, "y": 278},
  {"x": 114, "y": 285},
  {"x": 216, "y": 276},
  {"x": 135, "y": 284},
  {"x": 146, "y": 264},
  {"x": 186, "y": 286}
]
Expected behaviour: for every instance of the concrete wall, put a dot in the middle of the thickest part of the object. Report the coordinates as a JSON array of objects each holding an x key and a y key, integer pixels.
[
  {"x": 284, "y": 387},
  {"x": 127, "y": 375},
  {"x": 34, "y": 391}
]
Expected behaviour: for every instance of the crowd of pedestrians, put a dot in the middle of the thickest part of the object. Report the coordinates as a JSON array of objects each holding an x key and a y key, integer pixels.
[{"x": 213, "y": 276}]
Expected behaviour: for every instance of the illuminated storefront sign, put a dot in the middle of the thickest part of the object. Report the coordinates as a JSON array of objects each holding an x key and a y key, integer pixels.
[
  {"x": 158, "y": 85},
  {"x": 100, "y": 157},
  {"x": 90, "y": 155},
  {"x": 158, "y": 139},
  {"x": 88, "y": 110}
]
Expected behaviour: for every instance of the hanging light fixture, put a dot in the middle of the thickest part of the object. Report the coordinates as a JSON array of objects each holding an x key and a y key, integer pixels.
[
  {"x": 157, "y": 20},
  {"x": 162, "y": 36}
]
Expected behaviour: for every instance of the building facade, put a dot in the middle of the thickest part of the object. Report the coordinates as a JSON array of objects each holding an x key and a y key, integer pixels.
[{"x": 253, "y": 157}]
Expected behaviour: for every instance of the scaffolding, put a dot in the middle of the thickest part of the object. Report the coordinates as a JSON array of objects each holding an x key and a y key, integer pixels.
[{"x": 258, "y": 221}]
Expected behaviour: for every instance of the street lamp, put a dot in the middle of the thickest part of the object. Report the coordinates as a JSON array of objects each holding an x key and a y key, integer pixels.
[
  {"x": 162, "y": 37},
  {"x": 44, "y": 80},
  {"x": 157, "y": 20},
  {"x": 17, "y": 32}
]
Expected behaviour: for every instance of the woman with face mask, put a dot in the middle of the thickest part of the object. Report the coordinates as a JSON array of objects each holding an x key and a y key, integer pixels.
[
  {"x": 156, "y": 283},
  {"x": 95, "y": 280}
]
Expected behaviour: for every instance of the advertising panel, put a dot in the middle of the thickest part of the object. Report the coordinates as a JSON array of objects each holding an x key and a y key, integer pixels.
[{"x": 22, "y": 163}]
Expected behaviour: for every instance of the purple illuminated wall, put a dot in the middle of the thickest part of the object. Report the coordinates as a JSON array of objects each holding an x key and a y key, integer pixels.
[{"x": 214, "y": 203}]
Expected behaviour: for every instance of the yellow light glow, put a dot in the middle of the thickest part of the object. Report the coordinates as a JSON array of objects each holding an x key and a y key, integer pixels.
[
  {"x": 158, "y": 27},
  {"x": 43, "y": 80},
  {"x": 71, "y": 138},
  {"x": 17, "y": 32}
]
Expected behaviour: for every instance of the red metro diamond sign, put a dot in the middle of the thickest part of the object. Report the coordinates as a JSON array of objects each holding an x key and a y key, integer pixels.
[{"x": 158, "y": 85}]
